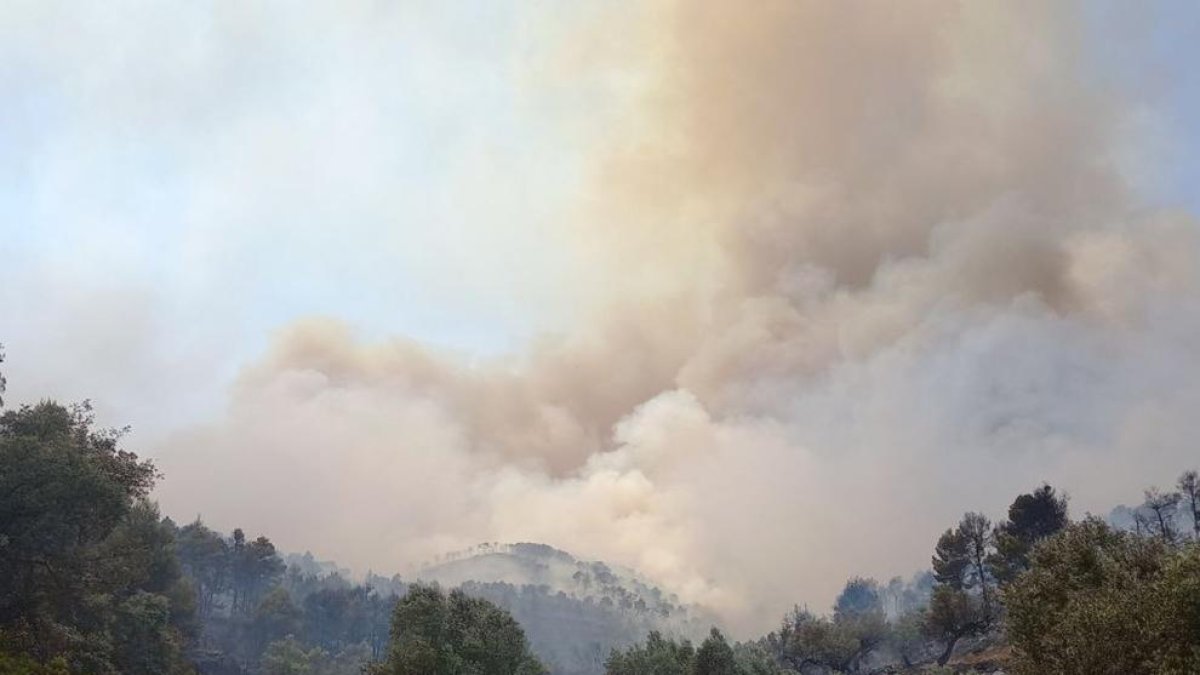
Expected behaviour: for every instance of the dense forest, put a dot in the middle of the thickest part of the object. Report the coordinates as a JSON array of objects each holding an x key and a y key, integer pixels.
[{"x": 93, "y": 579}]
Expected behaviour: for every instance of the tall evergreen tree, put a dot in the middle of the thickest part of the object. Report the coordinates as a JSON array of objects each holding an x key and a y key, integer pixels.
[{"x": 1031, "y": 518}]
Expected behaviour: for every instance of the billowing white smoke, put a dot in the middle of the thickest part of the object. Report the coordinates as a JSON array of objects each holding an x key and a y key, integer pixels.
[{"x": 867, "y": 266}]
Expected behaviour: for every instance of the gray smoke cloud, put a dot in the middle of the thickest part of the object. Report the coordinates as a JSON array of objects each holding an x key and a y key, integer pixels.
[{"x": 845, "y": 271}]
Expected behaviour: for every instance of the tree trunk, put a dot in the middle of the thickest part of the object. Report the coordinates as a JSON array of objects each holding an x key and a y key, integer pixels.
[{"x": 948, "y": 651}]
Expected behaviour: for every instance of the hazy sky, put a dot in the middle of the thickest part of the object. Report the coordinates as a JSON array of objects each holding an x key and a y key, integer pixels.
[{"x": 632, "y": 278}]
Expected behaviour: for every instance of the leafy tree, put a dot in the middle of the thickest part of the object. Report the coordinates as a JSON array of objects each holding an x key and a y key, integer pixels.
[
  {"x": 256, "y": 567},
  {"x": 857, "y": 628},
  {"x": 436, "y": 634},
  {"x": 1099, "y": 600},
  {"x": 906, "y": 636},
  {"x": 660, "y": 655},
  {"x": 289, "y": 657},
  {"x": 1031, "y": 518},
  {"x": 145, "y": 641},
  {"x": 858, "y": 612},
  {"x": 64, "y": 488},
  {"x": 754, "y": 658},
  {"x": 154, "y": 614},
  {"x": 204, "y": 555},
  {"x": 239, "y": 572},
  {"x": 806, "y": 640},
  {"x": 292, "y": 657},
  {"x": 276, "y": 617},
  {"x": 715, "y": 656},
  {"x": 657, "y": 656},
  {"x": 960, "y": 559},
  {"x": 253, "y": 568},
  {"x": 963, "y": 601},
  {"x": 951, "y": 559},
  {"x": 88, "y": 574},
  {"x": 952, "y": 615},
  {"x": 859, "y": 596}
]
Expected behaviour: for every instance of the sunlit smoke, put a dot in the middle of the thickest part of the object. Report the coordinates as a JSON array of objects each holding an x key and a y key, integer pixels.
[{"x": 846, "y": 270}]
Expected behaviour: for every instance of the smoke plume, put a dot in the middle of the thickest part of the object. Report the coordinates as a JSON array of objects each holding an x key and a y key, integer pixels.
[{"x": 843, "y": 269}]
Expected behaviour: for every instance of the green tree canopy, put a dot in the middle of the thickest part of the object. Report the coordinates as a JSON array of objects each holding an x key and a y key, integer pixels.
[
  {"x": 963, "y": 601},
  {"x": 88, "y": 573},
  {"x": 1031, "y": 518},
  {"x": 715, "y": 656},
  {"x": 657, "y": 656},
  {"x": 436, "y": 634},
  {"x": 1099, "y": 600}
]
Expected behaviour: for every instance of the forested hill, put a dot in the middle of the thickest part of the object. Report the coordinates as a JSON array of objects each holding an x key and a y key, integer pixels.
[{"x": 574, "y": 612}]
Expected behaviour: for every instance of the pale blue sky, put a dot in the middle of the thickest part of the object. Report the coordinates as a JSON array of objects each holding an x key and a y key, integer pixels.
[{"x": 178, "y": 181}]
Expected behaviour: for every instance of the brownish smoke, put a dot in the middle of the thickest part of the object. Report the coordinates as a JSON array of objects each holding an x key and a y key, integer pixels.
[{"x": 858, "y": 259}]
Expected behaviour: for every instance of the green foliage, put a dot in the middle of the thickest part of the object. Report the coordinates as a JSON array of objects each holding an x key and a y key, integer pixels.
[
  {"x": 88, "y": 575},
  {"x": 436, "y": 634},
  {"x": 253, "y": 568},
  {"x": 1099, "y": 600},
  {"x": 144, "y": 641},
  {"x": 657, "y": 656},
  {"x": 205, "y": 558},
  {"x": 953, "y": 613},
  {"x": 963, "y": 601},
  {"x": 1031, "y": 518},
  {"x": 64, "y": 488},
  {"x": 22, "y": 664},
  {"x": 841, "y": 643},
  {"x": 754, "y": 658},
  {"x": 276, "y": 617},
  {"x": 951, "y": 559},
  {"x": 715, "y": 656},
  {"x": 808, "y": 640},
  {"x": 290, "y": 657}
]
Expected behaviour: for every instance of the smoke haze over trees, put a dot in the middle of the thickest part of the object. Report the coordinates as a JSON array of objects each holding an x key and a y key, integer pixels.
[
  {"x": 792, "y": 282},
  {"x": 95, "y": 580},
  {"x": 714, "y": 307}
]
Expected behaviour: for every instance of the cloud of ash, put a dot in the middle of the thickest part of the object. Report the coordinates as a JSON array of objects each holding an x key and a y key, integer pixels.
[{"x": 864, "y": 266}]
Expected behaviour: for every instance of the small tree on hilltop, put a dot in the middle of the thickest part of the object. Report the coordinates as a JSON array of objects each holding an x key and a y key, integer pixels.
[{"x": 436, "y": 634}]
